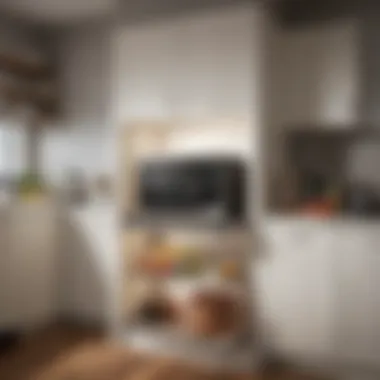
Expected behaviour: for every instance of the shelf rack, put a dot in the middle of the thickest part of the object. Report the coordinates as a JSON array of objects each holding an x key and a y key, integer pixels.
[
  {"x": 152, "y": 138},
  {"x": 29, "y": 81}
]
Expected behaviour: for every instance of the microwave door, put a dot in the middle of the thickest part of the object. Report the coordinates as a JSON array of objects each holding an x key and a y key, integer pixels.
[{"x": 174, "y": 188}]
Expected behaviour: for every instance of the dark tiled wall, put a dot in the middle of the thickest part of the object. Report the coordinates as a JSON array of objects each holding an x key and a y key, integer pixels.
[{"x": 137, "y": 11}]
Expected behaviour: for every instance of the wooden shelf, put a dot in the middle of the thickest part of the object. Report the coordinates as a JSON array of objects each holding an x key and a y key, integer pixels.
[
  {"x": 26, "y": 81},
  {"x": 22, "y": 67},
  {"x": 46, "y": 104},
  {"x": 160, "y": 223}
]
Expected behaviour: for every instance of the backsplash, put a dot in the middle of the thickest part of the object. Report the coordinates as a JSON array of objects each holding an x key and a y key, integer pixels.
[
  {"x": 363, "y": 160},
  {"x": 333, "y": 172}
]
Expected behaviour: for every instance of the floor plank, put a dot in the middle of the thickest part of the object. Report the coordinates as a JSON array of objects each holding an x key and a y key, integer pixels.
[{"x": 66, "y": 353}]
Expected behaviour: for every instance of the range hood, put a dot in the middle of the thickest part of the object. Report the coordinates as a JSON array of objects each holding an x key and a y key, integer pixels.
[{"x": 301, "y": 13}]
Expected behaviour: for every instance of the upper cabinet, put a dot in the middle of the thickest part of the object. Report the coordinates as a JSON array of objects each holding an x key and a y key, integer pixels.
[
  {"x": 197, "y": 66},
  {"x": 215, "y": 64},
  {"x": 296, "y": 289},
  {"x": 144, "y": 71},
  {"x": 317, "y": 75},
  {"x": 318, "y": 289}
]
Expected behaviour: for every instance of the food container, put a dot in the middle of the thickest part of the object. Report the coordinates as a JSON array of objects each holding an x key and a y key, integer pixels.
[{"x": 211, "y": 314}]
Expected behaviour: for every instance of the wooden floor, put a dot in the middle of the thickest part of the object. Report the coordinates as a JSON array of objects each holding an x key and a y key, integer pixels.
[{"x": 64, "y": 353}]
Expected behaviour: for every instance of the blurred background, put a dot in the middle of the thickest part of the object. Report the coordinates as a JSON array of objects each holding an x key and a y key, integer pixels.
[{"x": 194, "y": 145}]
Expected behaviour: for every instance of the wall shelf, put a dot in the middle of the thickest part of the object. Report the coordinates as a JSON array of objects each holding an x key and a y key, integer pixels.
[
  {"x": 162, "y": 223},
  {"x": 24, "y": 68},
  {"x": 47, "y": 104},
  {"x": 212, "y": 243},
  {"x": 30, "y": 82}
]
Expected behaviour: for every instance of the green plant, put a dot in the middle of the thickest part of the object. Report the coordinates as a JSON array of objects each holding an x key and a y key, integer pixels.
[{"x": 30, "y": 183}]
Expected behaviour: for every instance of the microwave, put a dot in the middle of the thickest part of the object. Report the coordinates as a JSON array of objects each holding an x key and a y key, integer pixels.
[{"x": 198, "y": 189}]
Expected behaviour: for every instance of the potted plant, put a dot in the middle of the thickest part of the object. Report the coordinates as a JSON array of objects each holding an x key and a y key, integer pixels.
[{"x": 31, "y": 187}]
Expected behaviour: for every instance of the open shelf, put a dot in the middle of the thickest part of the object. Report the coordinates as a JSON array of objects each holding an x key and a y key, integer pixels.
[
  {"x": 162, "y": 222},
  {"x": 178, "y": 257},
  {"x": 233, "y": 353},
  {"x": 22, "y": 67},
  {"x": 47, "y": 104},
  {"x": 29, "y": 81},
  {"x": 324, "y": 172}
]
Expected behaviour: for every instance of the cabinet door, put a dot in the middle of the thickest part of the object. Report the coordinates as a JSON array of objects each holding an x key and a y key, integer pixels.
[
  {"x": 214, "y": 64},
  {"x": 144, "y": 57},
  {"x": 355, "y": 294},
  {"x": 5, "y": 296},
  {"x": 296, "y": 287},
  {"x": 375, "y": 240},
  {"x": 32, "y": 263},
  {"x": 191, "y": 67},
  {"x": 319, "y": 75}
]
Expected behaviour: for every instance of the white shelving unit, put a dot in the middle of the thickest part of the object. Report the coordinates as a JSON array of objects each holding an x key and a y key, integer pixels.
[{"x": 236, "y": 352}]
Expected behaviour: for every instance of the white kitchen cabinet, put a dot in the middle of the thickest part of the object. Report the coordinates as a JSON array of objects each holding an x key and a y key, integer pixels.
[
  {"x": 215, "y": 63},
  {"x": 319, "y": 285},
  {"x": 29, "y": 294},
  {"x": 295, "y": 281},
  {"x": 90, "y": 263},
  {"x": 4, "y": 255},
  {"x": 144, "y": 60},
  {"x": 376, "y": 296},
  {"x": 191, "y": 67},
  {"x": 318, "y": 79},
  {"x": 355, "y": 292}
]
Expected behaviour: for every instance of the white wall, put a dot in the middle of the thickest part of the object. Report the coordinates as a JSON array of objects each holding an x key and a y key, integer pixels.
[
  {"x": 77, "y": 139},
  {"x": 13, "y": 142}
]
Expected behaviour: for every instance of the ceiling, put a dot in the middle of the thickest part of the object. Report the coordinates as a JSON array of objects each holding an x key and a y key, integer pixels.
[
  {"x": 66, "y": 12},
  {"x": 58, "y": 11}
]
